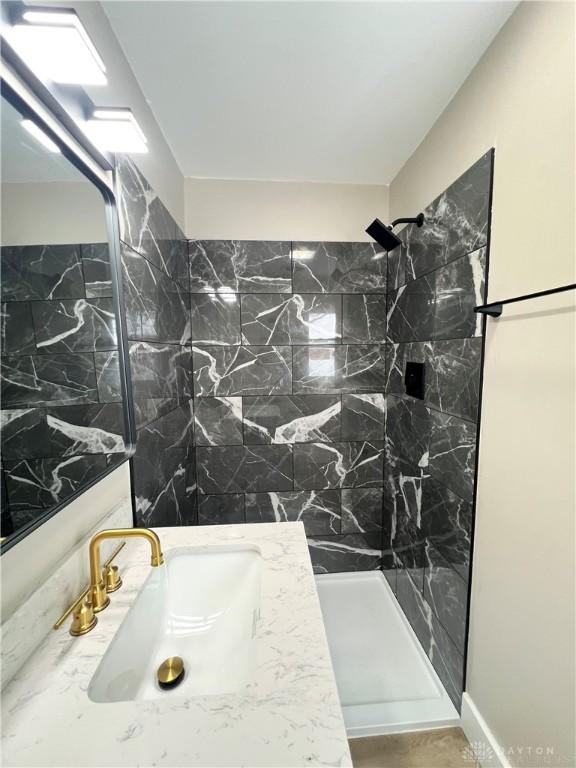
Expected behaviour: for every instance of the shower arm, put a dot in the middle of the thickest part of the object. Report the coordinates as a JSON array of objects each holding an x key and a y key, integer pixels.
[{"x": 418, "y": 220}]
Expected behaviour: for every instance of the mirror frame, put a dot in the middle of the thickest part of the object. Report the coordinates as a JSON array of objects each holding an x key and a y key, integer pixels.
[{"x": 26, "y": 109}]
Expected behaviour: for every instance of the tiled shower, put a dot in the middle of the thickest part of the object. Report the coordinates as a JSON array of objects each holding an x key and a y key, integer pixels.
[{"x": 268, "y": 380}]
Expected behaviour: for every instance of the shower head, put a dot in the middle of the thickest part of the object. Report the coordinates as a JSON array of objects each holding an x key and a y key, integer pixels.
[{"x": 384, "y": 235}]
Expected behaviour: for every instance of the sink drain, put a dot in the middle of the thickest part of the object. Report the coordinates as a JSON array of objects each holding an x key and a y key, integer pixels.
[{"x": 171, "y": 672}]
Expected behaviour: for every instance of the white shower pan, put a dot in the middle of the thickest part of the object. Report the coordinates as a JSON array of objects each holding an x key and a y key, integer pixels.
[{"x": 385, "y": 680}]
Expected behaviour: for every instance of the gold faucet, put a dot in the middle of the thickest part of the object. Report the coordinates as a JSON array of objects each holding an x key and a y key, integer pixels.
[{"x": 98, "y": 596}]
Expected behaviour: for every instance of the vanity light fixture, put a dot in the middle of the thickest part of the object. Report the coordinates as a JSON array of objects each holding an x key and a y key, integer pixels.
[
  {"x": 114, "y": 129},
  {"x": 55, "y": 45},
  {"x": 39, "y": 135}
]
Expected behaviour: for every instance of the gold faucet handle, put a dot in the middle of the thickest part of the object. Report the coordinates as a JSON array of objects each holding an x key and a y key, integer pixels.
[
  {"x": 111, "y": 576},
  {"x": 83, "y": 619}
]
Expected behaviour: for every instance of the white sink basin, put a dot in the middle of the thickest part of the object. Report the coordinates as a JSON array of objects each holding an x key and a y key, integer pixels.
[{"x": 202, "y": 605}]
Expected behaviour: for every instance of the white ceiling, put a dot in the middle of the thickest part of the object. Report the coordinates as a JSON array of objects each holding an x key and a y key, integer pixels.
[{"x": 301, "y": 91}]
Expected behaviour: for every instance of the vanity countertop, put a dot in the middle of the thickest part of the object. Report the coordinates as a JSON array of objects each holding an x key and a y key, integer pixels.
[{"x": 289, "y": 716}]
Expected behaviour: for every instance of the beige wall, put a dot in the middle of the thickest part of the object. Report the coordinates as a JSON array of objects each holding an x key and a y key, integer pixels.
[
  {"x": 520, "y": 99},
  {"x": 52, "y": 212},
  {"x": 278, "y": 210}
]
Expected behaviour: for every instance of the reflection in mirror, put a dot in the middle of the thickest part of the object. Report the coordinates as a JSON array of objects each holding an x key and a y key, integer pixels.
[{"x": 62, "y": 415}]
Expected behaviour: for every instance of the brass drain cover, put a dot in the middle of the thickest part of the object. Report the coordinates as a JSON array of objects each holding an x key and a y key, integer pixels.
[{"x": 171, "y": 672}]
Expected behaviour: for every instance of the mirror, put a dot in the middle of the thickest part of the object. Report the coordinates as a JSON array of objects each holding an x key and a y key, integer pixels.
[{"x": 63, "y": 415}]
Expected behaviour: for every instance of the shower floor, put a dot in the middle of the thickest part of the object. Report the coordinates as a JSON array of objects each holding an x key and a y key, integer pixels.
[{"x": 385, "y": 680}]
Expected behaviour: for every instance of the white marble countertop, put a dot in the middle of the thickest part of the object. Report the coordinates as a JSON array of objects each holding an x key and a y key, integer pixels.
[{"x": 289, "y": 716}]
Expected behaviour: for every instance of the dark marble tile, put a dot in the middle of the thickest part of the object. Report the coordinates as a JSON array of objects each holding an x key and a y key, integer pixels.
[
  {"x": 242, "y": 468},
  {"x": 42, "y": 379},
  {"x": 363, "y": 416},
  {"x": 24, "y": 433},
  {"x": 390, "y": 575},
  {"x": 318, "y": 510},
  {"x": 446, "y": 522},
  {"x": 447, "y": 595},
  {"x": 408, "y": 544},
  {"x": 361, "y": 510},
  {"x": 339, "y": 268},
  {"x": 215, "y": 318},
  {"x": 107, "y": 365},
  {"x": 402, "y": 492},
  {"x": 453, "y": 376},
  {"x": 348, "y": 552},
  {"x": 397, "y": 355},
  {"x": 456, "y": 223},
  {"x": 81, "y": 325},
  {"x": 348, "y": 368},
  {"x": 32, "y": 272},
  {"x": 218, "y": 421},
  {"x": 291, "y": 418},
  {"x": 84, "y": 429},
  {"x": 411, "y": 311},
  {"x": 148, "y": 410},
  {"x": 239, "y": 266},
  {"x": 295, "y": 319},
  {"x": 221, "y": 509},
  {"x": 453, "y": 453},
  {"x": 161, "y": 467},
  {"x": 445, "y": 657},
  {"x": 363, "y": 319},
  {"x": 96, "y": 267},
  {"x": 459, "y": 288},
  {"x": 34, "y": 484},
  {"x": 157, "y": 308},
  {"x": 338, "y": 465},
  {"x": 408, "y": 430},
  {"x": 146, "y": 225},
  {"x": 242, "y": 370},
  {"x": 160, "y": 371},
  {"x": 16, "y": 329}
]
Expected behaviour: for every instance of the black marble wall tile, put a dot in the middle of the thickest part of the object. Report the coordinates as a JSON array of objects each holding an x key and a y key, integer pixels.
[
  {"x": 447, "y": 594},
  {"x": 85, "y": 429},
  {"x": 318, "y": 510},
  {"x": 294, "y": 319},
  {"x": 238, "y": 469},
  {"x": 411, "y": 310},
  {"x": 363, "y": 416},
  {"x": 348, "y": 368},
  {"x": 338, "y": 268},
  {"x": 239, "y": 266},
  {"x": 221, "y": 509},
  {"x": 96, "y": 267},
  {"x": 156, "y": 306},
  {"x": 35, "y": 484},
  {"x": 81, "y": 325},
  {"x": 453, "y": 376},
  {"x": 338, "y": 465},
  {"x": 160, "y": 371},
  {"x": 24, "y": 433},
  {"x": 348, "y": 552},
  {"x": 17, "y": 329},
  {"x": 161, "y": 469},
  {"x": 408, "y": 430},
  {"x": 146, "y": 225},
  {"x": 41, "y": 379},
  {"x": 35, "y": 272},
  {"x": 445, "y": 657},
  {"x": 242, "y": 370},
  {"x": 361, "y": 510},
  {"x": 402, "y": 491},
  {"x": 459, "y": 288},
  {"x": 453, "y": 453},
  {"x": 446, "y": 522},
  {"x": 363, "y": 318},
  {"x": 397, "y": 355},
  {"x": 215, "y": 318},
  {"x": 218, "y": 421},
  {"x": 107, "y": 365},
  {"x": 291, "y": 419}
]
